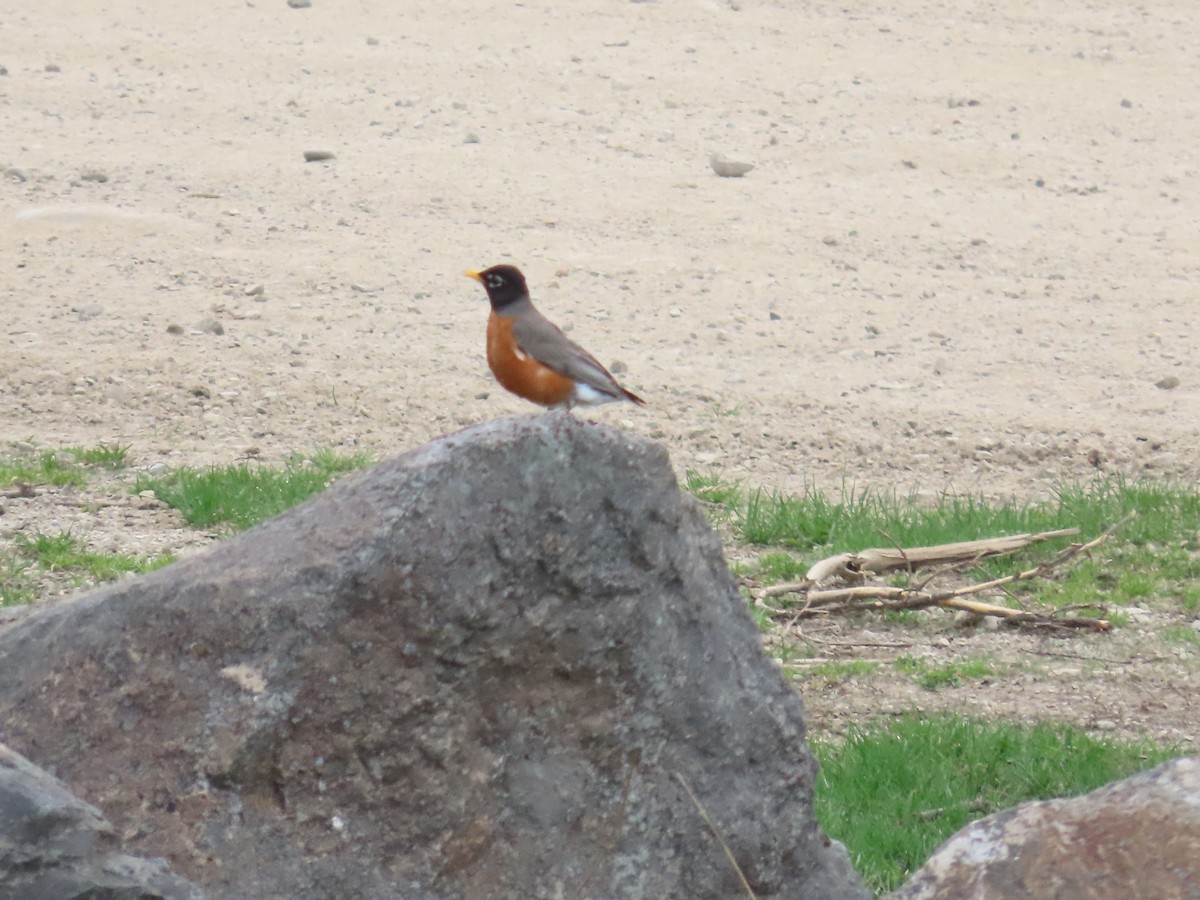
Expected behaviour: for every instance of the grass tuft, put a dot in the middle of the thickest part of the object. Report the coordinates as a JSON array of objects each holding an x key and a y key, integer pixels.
[
  {"x": 711, "y": 489},
  {"x": 64, "y": 553},
  {"x": 16, "y": 585},
  {"x": 892, "y": 793},
  {"x": 245, "y": 494},
  {"x": 61, "y": 468},
  {"x": 105, "y": 456},
  {"x": 953, "y": 674},
  {"x": 832, "y": 672},
  {"x": 46, "y": 467}
]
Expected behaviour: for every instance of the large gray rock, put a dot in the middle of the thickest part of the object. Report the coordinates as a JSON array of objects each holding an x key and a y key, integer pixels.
[
  {"x": 1137, "y": 839},
  {"x": 480, "y": 670},
  {"x": 54, "y": 846}
]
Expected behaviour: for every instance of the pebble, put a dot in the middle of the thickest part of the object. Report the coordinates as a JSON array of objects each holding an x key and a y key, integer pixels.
[
  {"x": 53, "y": 67},
  {"x": 211, "y": 326},
  {"x": 618, "y": 367},
  {"x": 91, "y": 311},
  {"x": 1167, "y": 384},
  {"x": 728, "y": 168},
  {"x": 471, "y": 138},
  {"x": 255, "y": 291},
  {"x": 299, "y": 4},
  {"x": 94, "y": 175},
  {"x": 174, "y": 328},
  {"x": 318, "y": 155}
]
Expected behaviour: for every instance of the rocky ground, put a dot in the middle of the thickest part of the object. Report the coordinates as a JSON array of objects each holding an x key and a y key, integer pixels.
[{"x": 965, "y": 259}]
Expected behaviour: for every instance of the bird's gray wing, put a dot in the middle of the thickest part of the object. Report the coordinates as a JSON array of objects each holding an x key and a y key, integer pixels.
[{"x": 540, "y": 338}]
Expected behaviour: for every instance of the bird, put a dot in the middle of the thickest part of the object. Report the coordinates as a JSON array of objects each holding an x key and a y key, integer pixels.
[{"x": 532, "y": 358}]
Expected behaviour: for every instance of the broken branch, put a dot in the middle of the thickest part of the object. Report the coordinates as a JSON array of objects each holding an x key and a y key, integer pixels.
[{"x": 861, "y": 597}]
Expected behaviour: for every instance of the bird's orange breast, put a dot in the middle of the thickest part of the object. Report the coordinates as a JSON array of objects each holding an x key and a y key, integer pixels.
[{"x": 520, "y": 373}]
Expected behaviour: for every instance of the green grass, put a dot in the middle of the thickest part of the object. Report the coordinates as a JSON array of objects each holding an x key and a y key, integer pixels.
[
  {"x": 1154, "y": 558},
  {"x": 16, "y": 585},
  {"x": 238, "y": 495},
  {"x": 59, "y": 468},
  {"x": 894, "y": 792},
  {"x": 1189, "y": 597},
  {"x": 1182, "y": 634},
  {"x": 777, "y": 567},
  {"x": 1158, "y": 574},
  {"x": 46, "y": 467},
  {"x": 833, "y": 672},
  {"x": 106, "y": 456},
  {"x": 63, "y": 553},
  {"x": 244, "y": 494},
  {"x": 1166, "y": 513},
  {"x": 953, "y": 674},
  {"x": 711, "y": 489}
]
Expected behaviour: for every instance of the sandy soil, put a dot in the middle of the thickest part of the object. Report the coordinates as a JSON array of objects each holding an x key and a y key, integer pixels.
[{"x": 966, "y": 258}]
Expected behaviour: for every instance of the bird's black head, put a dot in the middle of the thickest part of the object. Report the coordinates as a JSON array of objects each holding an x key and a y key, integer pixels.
[{"x": 504, "y": 284}]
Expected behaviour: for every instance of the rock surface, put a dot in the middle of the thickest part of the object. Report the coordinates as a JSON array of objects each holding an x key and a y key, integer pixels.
[
  {"x": 56, "y": 847},
  {"x": 1137, "y": 838},
  {"x": 481, "y": 669}
]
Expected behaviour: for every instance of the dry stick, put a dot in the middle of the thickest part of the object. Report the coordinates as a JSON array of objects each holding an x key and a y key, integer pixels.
[
  {"x": 866, "y": 597},
  {"x": 712, "y": 826},
  {"x": 1048, "y": 566},
  {"x": 877, "y": 560},
  {"x": 908, "y": 563}
]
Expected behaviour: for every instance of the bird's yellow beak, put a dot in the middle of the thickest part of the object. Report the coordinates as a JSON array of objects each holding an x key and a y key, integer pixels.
[{"x": 471, "y": 273}]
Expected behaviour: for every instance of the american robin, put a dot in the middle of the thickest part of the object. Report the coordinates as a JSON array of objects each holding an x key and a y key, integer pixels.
[{"x": 532, "y": 358}]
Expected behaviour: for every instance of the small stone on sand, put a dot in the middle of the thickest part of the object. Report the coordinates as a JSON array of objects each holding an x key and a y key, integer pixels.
[{"x": 728, "y": 168}]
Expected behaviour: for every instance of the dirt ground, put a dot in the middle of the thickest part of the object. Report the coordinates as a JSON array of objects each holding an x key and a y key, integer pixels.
[{"x": 966, "y": 260}]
